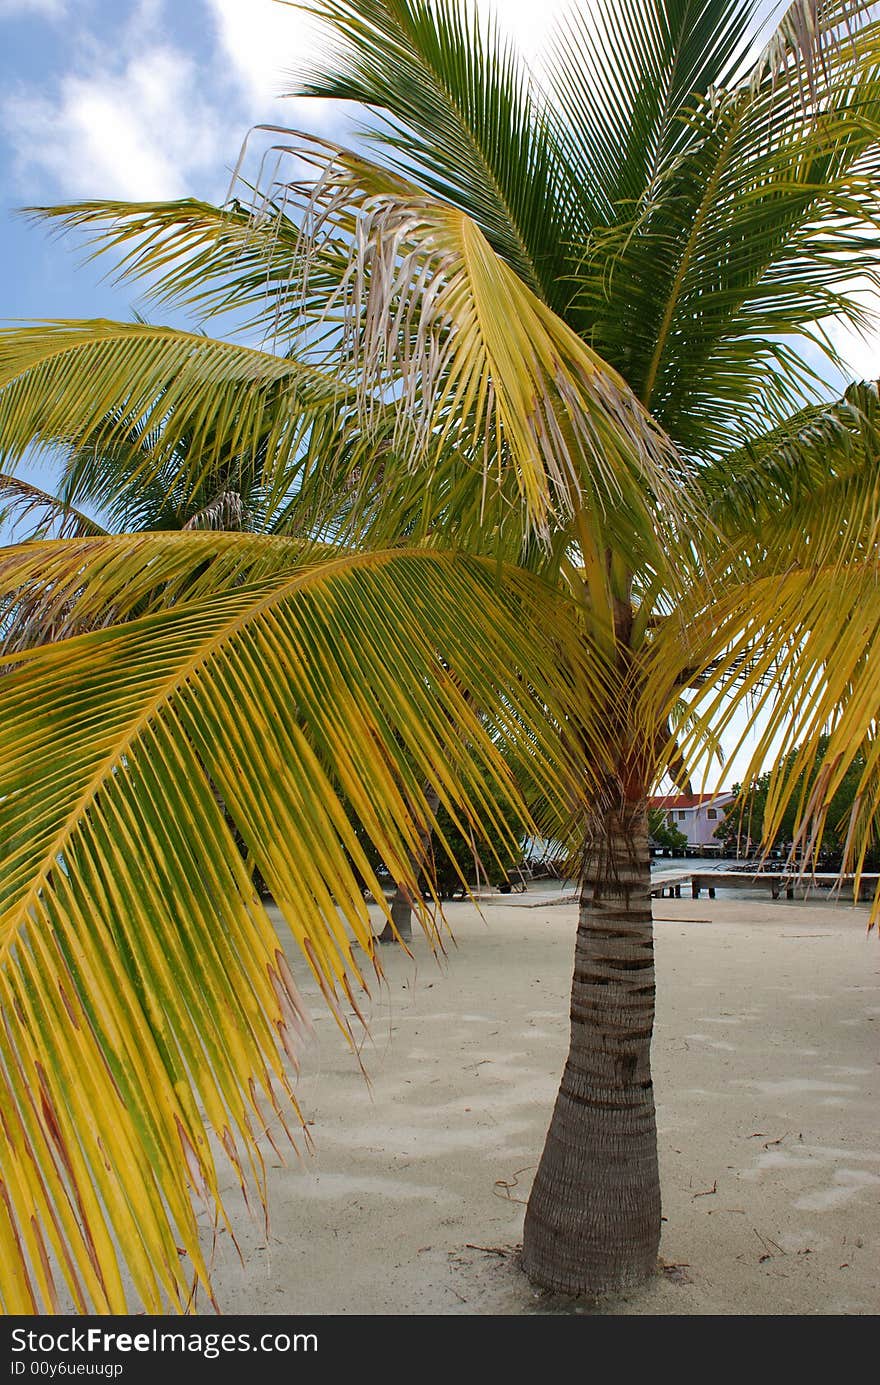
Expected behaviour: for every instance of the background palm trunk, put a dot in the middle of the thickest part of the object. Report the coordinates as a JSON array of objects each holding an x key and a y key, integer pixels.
[
  {"x": 593, "y": 1219},
  {"x": 402, "y": 901},
  {"x": 401, "y": 914}
]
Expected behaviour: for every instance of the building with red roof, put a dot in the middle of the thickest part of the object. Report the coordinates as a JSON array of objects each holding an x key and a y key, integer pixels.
[{"x": 695, "y": 814}]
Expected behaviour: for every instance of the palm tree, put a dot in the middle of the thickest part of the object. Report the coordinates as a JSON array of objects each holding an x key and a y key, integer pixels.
[{"x": 563, "y": 332}]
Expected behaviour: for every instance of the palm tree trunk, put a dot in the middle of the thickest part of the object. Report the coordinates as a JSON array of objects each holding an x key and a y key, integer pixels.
[
  {"x": 593, "y": 1218},
  {"x": 401, "y": 916},
  {"x": 402, "y": 901}
]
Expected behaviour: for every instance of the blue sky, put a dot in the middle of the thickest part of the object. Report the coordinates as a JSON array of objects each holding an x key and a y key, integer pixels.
[{"x": 141, "y": 99}]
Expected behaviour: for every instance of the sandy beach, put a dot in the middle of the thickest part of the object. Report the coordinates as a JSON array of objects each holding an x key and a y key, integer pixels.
[{"x": 766, "y": 1065}]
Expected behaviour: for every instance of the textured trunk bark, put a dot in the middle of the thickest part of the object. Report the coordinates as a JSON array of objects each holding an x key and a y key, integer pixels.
[
  {"x": 402, "y": 902},
  {"x": 593, "y": 1218}
]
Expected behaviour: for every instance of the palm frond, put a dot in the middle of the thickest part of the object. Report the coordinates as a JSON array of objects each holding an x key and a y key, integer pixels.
[
  {"x": 439, "y": 323},
  {"x": 236, "y": 259},
  {"x": 808, "y": 489},
  {"x": 46, "y": 515},
  {"x": 621, "y": 77},
  {"x": 226, "y": 510},
  {"x": 139, "y": 482},
  {"x": 145, "y": 996},
  {"x": 811, "y": 36},
  {"x": 796, "y": 644},
  {"x": 453, "y": 108},
  {"x": 72, "y": 587},
  {"x": 759, "y": 229},
  {"x": 186, "y": 401}
]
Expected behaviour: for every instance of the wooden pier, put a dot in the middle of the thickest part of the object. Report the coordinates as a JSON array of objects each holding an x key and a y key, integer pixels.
[{"x": 777, "y": 882}]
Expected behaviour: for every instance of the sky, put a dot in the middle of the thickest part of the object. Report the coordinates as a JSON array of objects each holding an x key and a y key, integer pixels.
[
  {"x": 152, "y": 99},
  {"x": 137, "y": 99},
  {"x": 141, "y": 99}
]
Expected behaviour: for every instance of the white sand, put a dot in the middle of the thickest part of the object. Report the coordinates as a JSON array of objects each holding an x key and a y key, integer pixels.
[{"x": 766, "y": 1076}]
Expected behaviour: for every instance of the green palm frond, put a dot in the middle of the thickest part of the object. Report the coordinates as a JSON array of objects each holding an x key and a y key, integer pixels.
[
  {"x": 453, "y": 108},
  {"x": 621, "y": 78},
  {"x": 139, "y": 482},
  {"x": 807, "y": 490},
  {"x": 180, "y": 397},
  {"x": 697, "y": 211},
  {"x": 145, "y": 996},
  {"x": 44, "y": 514},
  {"x": 752, "y": 236}
]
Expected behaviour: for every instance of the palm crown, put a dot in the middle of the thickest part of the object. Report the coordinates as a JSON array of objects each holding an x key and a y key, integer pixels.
[{"x": 538, "y": 365}]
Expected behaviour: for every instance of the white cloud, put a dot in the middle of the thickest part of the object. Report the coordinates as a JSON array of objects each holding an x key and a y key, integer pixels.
[
  {"x": 861, "y": 352},
  {"x": 263, "y": 40},
  {"x": 140, "y": 134},
  {"x": 268, "y": 40},
  {"x": 860, "y": 349},
  {"x": 142, "y": 119},
  {"x": 525, "y": 21},
  {"x": 267, "y": 45}
]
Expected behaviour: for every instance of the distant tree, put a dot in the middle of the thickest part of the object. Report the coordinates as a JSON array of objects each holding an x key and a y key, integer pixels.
[
  {"x": 662, "y": 831},
  {"x": 744, "y": 819},
  {"x": 459, "y": 855}
]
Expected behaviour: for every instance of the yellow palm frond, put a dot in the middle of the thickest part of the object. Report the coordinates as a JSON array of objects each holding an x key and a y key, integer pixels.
[
  {"x": 72, "y": 587},
  {"x": 796, "y": 646},
  {"x": 427, "y": 309},
  {"x": 145, "y": 997}
]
